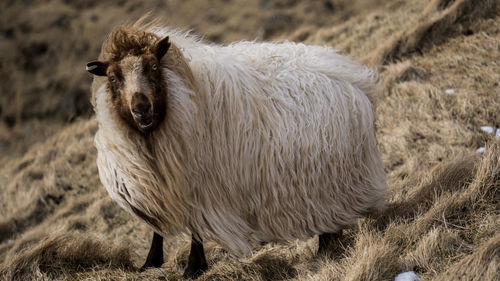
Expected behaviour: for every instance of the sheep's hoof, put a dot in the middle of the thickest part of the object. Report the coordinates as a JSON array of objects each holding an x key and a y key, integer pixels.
[
  {"x": 197, "y": 263},
  {"x": 193, "y": 272},
  {"x": 329, "y": 244},
  {"x": 151, "y": 264},
  {"x": 155, "y": 255}
]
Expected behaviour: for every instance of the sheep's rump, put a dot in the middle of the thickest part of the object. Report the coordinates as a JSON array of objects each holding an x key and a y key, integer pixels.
[{"x": 277, "y": 143}]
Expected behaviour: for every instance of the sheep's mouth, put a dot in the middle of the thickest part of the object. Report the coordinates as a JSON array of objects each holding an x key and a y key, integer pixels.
[{"x": 145, "y": 123}]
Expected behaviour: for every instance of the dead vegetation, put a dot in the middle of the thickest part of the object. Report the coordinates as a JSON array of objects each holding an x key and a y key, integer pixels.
[
  {"x": 443, "y": 215},
  {"x": 62, "y": 254},
  {"x": 434, "y": 28}
]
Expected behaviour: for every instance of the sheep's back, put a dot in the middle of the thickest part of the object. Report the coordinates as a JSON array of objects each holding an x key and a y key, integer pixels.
[{"x": 284, "y": 142}]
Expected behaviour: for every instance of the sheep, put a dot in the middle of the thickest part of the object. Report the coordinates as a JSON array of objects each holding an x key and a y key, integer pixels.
[{"x": 239, "y": 144}]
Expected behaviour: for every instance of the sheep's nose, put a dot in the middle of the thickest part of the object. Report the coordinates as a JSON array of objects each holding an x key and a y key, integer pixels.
[{"x": 140, "y": 105}]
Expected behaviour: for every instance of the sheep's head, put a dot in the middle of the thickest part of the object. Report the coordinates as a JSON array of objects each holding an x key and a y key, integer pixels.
[{"x": 135, "y": 80}]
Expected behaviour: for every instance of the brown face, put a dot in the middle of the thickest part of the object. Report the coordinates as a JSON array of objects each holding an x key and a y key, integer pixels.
[{"x": 137, "y": 86}]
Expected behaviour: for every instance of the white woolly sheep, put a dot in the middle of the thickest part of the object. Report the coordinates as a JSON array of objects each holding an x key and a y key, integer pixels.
[{"x": 239, "y": 144}]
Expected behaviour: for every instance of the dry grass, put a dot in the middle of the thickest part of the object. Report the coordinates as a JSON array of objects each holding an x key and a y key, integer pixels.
[
  {"x": 443, "y": 215},
  {"x": 63, "y": 254}
]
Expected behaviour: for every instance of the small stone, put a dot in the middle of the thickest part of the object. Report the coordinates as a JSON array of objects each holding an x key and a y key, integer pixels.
[
  {"x": 487, "y": 129},
  {"x": 407, "y": 276}
]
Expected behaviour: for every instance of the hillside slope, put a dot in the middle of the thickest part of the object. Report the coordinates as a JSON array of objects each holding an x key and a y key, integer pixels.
[
  {"x": 44, "y": 44},
  {"x": 440, "y": 76}
]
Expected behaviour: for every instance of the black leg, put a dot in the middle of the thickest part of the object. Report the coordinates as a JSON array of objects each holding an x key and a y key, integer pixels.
[
  {"x": 155, "y": 256},
  {"x": 197, "y": 264},
  {"x": 327, "y": 241}
]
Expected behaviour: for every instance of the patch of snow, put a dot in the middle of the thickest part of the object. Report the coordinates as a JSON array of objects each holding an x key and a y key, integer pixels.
[
  {"x": 487, "y": 129},
  {"x": 481, "y": 149},
  {"x": 449, "y": 91},
  {"x": 497, "y": 134},
  {"x": 407, "y": 276}
]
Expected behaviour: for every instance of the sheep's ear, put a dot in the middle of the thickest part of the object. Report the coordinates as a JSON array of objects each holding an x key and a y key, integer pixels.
[
  {"x": 97, "y": 67},
  {"x": 161, "y": 48}
]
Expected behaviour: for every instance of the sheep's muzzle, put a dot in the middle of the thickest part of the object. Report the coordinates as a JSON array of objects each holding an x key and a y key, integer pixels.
[{"x": 142, "y": 112}]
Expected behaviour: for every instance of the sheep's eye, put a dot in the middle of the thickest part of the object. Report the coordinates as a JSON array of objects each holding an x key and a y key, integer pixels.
[
  {"x": 154, "y": 66},
  {"x": 112, "y": 79}
]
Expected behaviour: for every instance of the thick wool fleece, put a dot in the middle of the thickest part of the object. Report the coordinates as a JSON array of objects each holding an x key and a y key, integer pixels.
[{"x": 261, "y": 142}]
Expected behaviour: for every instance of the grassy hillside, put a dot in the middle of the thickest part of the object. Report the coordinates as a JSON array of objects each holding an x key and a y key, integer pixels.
[
  {"x": 440, "y": 76},
  {"x": 45, "y": 44}
]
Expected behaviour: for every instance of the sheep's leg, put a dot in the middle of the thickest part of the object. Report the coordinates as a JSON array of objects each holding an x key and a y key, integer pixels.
[
  {"x": 328, "y": 242},
  {"x": 197, "y": 263},
  {"x": 155, "y": 255}
]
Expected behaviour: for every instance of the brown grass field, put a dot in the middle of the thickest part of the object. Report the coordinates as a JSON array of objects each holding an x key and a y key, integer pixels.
[{"x": 443, "y": 217}]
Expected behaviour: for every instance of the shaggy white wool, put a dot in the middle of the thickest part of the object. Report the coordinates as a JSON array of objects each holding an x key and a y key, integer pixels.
[{"x": 270, "y": 142}]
